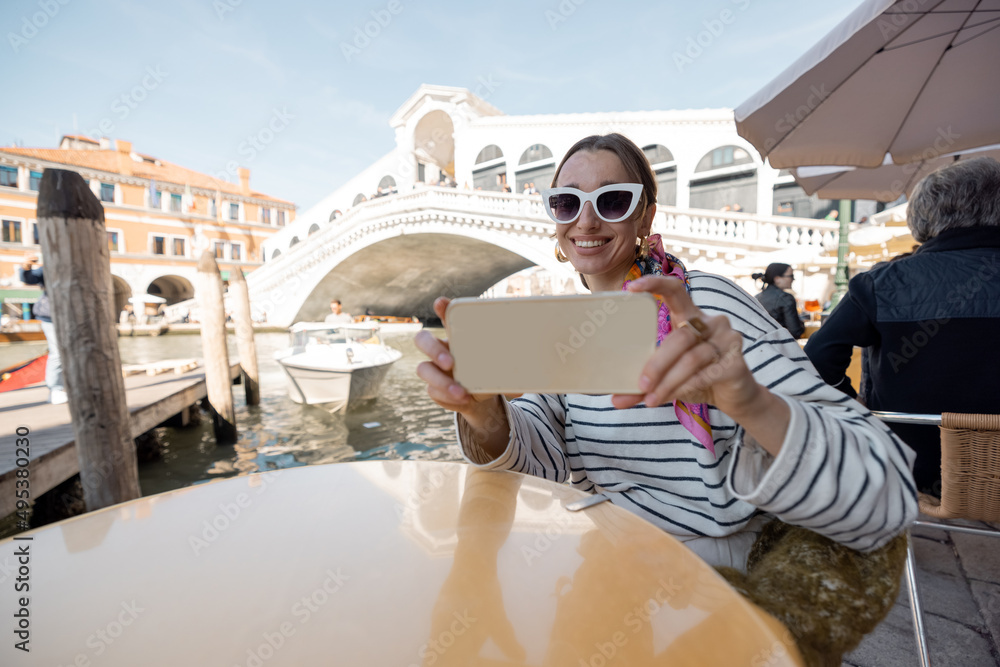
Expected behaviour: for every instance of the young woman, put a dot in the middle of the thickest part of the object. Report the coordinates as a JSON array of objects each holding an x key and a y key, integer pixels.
[
  {"x": 778, "y": 303},
  {"x": 734, "y": 425}
]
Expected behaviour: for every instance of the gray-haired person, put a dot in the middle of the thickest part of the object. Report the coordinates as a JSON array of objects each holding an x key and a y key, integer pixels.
[
  {"x": 930, "y": 320},
  {"x": 32, "y": 275}
]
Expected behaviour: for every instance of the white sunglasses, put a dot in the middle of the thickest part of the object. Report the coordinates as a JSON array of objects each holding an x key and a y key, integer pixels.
[{"x": 612, "y": 203}]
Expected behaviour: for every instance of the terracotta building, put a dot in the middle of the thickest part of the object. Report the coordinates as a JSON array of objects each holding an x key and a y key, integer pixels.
[{"x": 159, "y": 217}]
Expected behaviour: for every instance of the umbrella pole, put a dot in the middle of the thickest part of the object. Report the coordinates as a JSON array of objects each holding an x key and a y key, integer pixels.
[{"x": 840, "y": 280}]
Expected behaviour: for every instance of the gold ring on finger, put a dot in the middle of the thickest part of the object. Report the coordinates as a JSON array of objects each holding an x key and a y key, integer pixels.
[{"x": 697, "y": 327}]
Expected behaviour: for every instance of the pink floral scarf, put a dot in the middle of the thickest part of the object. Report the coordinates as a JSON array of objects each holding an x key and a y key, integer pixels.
[{"x": 693, "y": 416}]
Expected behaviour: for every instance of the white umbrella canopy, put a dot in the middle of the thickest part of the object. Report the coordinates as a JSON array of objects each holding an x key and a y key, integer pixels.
[
  {"x": 914, "y": 79},
  {"x": 793, "y": 255},
  {"x": 884, "y": 183},
  {"x": 146, "y": 298}
]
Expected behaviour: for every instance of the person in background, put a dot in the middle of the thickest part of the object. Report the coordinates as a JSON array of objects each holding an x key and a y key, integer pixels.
[
  {"x": 337, "y": 316},
  {"x": 778, "y": 303},
  {"x": 42, "y": 310},
  {"x": 929, "y": 321}
]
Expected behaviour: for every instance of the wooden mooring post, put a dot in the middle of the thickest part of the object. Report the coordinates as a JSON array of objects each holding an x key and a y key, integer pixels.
[
  {"x": 239, "y": 296},
  {"x": 77, "y": 274},
  {"x": 208, "y": 292}
]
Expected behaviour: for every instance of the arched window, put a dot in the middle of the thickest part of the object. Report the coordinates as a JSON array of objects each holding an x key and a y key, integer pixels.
[
  {"x": 336, "y": 214},
  {"x": 294, "y": 241},
  {"x": 388, "y": 183},
  {"x": 657, "y": 154},
  {"x": 723, "y": 156},
  {"x": 534, "y": 153},
  {"x": 539, "y": 173},
  {"x": 492, "y": 175},
  {"x": 275, "y": 254},
  {"x": 491, "y": 152},
  {"x": 313, "y": 228},
  {"x": 732, "y": 190},
  {"x": 662, "y": 161},
  {"x": 360, "y": 198}
]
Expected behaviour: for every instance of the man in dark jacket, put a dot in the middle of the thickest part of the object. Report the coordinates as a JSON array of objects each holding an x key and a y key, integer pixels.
[{"x": 930, "y": 321}]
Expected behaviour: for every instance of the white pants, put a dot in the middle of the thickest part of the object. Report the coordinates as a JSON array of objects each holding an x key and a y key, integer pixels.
[{"x": 53, "y": 367}]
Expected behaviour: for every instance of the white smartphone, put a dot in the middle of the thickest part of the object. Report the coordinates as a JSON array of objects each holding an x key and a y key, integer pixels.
[{"x": 578, "y": 344}]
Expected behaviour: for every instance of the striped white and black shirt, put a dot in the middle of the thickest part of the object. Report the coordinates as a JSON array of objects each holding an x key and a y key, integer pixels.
[{"x": 840, "y": 471}]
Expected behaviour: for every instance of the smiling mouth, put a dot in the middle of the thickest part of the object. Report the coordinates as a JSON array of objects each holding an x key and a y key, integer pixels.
[{"x": 588, "y": 244}]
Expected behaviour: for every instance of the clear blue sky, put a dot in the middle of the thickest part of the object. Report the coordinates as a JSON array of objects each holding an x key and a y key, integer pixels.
[{"x": 224, "y": 66}]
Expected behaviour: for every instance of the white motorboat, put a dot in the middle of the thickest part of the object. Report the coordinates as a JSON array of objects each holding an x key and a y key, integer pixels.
[{"x": 335, "y": 364}]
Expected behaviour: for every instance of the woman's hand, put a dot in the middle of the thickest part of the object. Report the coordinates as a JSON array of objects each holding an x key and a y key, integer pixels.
[
  {"x": 438, "y": 373},
  {"x": 702, "y": 362},
  {"x": 484, "y": 412}
]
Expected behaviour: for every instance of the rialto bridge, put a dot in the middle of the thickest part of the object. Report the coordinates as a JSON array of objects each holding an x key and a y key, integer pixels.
[{"x": 396, "y": 254}]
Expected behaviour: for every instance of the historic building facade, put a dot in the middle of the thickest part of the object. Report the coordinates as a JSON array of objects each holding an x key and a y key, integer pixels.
[{"x": 160, "y": 216}]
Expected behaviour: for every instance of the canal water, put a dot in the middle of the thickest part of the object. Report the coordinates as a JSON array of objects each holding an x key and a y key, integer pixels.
[{"x": 403, "y": 423}]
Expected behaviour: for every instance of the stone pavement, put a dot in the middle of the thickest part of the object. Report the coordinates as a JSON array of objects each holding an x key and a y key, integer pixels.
[{"x": 958, "y": 579}]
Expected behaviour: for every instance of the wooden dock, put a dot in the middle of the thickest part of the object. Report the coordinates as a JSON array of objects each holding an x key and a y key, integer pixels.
[{"x": 151, "y": 399}]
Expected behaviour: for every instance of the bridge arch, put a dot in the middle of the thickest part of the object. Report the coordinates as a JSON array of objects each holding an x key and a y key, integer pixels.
[
  {"x": 172, "y": 288},
  {"x": 401, "y": 270},
  {"x": 122, "y": 293}
]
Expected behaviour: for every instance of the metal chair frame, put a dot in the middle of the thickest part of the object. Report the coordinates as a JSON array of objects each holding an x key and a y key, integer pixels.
[{"x": 927, "y": 507}]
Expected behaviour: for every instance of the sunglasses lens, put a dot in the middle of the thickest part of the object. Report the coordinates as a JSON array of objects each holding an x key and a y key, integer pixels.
[
  {"x": 564, "y": 207},
  {"x": 615, "y": 204}
]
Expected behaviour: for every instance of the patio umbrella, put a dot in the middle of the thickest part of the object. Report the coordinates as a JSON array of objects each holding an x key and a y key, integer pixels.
[
  {"x": 146, "y": 298},
  {"x": 911, "y": 79},
  {"x": 884, "y": 183}
]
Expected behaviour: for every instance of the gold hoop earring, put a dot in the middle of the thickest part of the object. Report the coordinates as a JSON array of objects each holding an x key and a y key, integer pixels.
[
  {"x": 559, "y": 254},
  {"x": 644, "y": 248}
]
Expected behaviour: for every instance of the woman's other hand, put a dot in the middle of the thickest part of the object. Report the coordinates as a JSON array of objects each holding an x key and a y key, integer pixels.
[{"x": 702, "y": 362}]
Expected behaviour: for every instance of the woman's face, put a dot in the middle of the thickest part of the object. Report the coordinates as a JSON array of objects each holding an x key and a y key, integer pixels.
[
  {"x": 784, "y": 281},
  {"x": 598, "y": 249}
]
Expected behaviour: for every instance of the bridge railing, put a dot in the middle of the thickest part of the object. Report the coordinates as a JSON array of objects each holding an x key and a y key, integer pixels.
[{"x": 746, "y": 232}]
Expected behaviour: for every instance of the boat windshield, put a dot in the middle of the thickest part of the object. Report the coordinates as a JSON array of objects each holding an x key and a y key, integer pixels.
[{"x": 336, "y": 335}]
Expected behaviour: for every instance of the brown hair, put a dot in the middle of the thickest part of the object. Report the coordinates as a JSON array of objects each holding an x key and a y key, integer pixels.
[{"x": 632, "y": 157}]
